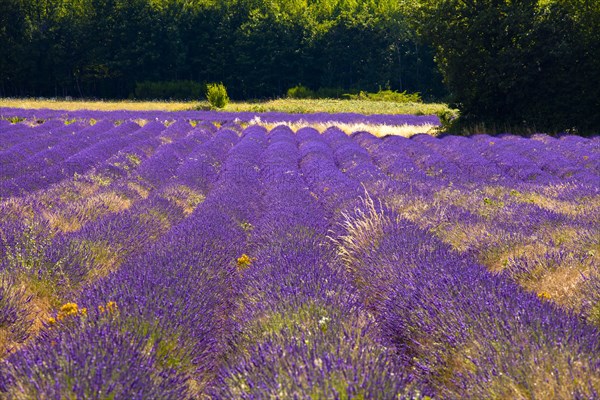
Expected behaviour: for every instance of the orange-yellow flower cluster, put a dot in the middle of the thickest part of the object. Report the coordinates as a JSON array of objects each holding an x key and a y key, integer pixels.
[
  {"x": 244, "y": 262},
  {"x": 111, "y": 308},
  {"x": 544, "y": 296},
  {"x": 67, "y": 310}
]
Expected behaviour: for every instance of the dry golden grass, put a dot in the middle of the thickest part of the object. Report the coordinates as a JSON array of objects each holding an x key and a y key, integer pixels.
[
  {"x": 497, "y": 249},
  {"x": 537, "y": 366},
  {"x": 184, "y": 197},
  {"x": 75, "y": 215},
  {"x": 101, "y": 105},
  {"x": 278, "y": 105},
  {"x": 39, "y": 308},
  {"x": 141, "y": 190},
  {"x": 339, "y": 106},
  {"x": 561, "y": 206},
  {"x": 364, "y": 229},
  {"x": 379, "y": 130},
  {"x": 105, "y": 258},
  {"x": 411, "y": 207}
]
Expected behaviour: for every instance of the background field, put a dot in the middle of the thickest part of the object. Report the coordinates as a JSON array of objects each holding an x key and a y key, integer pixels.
[{"x": 530, "y": 65}]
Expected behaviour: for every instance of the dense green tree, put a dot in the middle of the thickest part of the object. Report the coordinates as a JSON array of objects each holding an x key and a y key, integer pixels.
[
  {"x": 517, "y": 63},
  {"x": 13, "y": 36},
  {"x": 258, "y": 48}
]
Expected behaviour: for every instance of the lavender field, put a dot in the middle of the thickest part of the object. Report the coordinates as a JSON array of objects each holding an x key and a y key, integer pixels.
[{"x": 149, "y": 255}]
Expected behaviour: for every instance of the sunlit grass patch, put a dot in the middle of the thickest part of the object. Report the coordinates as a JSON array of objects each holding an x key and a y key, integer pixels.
[
  {"x": 277, "y": 105},
  {"x": 552, "y": 272},
  {"x": 103, "y": 257},
  {"x": 545, "y": 371},
  {"x": 140, "y": 121},
  {"x": 184, "y": 197},
  {"x": 323, "y": 346},
  {"x": 410, "y": 207},
  {"x": 553, "y": 258},
  {"x": 308, "y": 318},
  {"x": 70, "y": 191},
  {"x": 72, "y": 105},
  {"x": 574, "y": 208},
  {"x": 62, "y": 221},
  {"x": 17, "y": 314},
  {"x": 338, "y": 106},
  {"x": 74, "y": 216},
  {"x": 156, "y": 221},
  {"x": 36, "y": 301},
  {"x": 546, "y": 197},
  {"x": 16, "y": 209},
  {"x": 165, "y": 140},
  {"x": 134, "y": 160},
  {"x": 166, "y": 345},
  {"x": 100, "y": 180},
  {"x": 142, "y": 190},
  {"x": 379, "y": 130},
  {"x": 363, "y": 230},
  {"x": 461, "y": 236},
  {"x": 113, "y": 201}
]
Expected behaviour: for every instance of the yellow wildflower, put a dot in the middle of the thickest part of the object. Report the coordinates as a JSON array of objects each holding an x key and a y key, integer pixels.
[
  {"x": 101, "y": 309},
  {"x": 544, "y": 295},
  {"x": 111, "y": 306},
  {"x": 244, "y": 262},
  {"x": 51, "y": 321},
  {"x": 69, "y": 309}
]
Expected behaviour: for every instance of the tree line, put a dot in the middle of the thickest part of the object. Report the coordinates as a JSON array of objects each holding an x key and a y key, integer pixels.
[
  {"x": 257, "y": 48},
  {"x": 533, "y": 63}
]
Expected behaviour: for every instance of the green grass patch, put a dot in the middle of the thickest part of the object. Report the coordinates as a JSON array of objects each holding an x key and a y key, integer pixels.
[{"x": 301, "y": 106}]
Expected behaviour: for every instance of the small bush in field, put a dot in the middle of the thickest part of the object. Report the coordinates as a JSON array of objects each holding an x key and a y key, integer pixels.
[
  {"x": 387, "y": 95},
  {"x": 300, "y": 92},
  {"x": 216, "y": 93}
]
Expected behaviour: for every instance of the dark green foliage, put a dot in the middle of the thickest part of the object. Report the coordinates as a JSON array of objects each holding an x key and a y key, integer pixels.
[
  {"x": 387, "y": 95},
  {"x": 216, "y": 94},
  {"x": 258, "y": 49},
  {"x": 532, "y": 64},
  {"x": 301, "y": 92},
  {"x": 170, "y": 90}
]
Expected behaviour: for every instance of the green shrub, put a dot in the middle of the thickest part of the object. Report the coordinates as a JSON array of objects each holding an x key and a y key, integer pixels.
[
  {"x": 387, "y": 95},
  {"x": 15, "y": 120},
  {"x": 332, "y": 93},
  {"x": 169, "y": 90},
  {"x": 447, "y": 118},
  {"x": 216, "y": 93},
  {"x": 300, "y": 92}
]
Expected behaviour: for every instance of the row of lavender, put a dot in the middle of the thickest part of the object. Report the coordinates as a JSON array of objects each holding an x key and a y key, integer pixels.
[
  {"x": 228, "y": 283},
  {"x": 179, "y": 307},
  {"x": 529, "y": 209},
  {"x": 81, "y": 228},
  {"x": 466, "y": 332}
]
